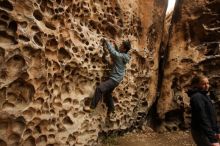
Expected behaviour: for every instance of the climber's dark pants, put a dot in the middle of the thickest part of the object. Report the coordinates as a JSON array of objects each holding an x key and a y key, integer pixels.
[
  {"x": 199, "y": 138},
  {"x": 105, "y": 89}
]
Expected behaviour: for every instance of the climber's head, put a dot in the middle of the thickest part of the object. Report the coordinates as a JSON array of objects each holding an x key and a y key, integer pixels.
[{"x": 125, "y": 46}]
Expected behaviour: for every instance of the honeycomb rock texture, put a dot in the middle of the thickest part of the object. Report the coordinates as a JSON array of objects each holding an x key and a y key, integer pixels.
[
  {"x": 51, "y": 60},
  {"x": 194, "y": 47}
]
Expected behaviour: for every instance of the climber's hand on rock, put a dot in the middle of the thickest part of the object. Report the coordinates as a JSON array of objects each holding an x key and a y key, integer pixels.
[{"x": 103, "y": 41}]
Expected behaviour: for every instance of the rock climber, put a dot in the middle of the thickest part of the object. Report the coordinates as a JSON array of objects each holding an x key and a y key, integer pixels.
[{"x": 120, "y": 58}]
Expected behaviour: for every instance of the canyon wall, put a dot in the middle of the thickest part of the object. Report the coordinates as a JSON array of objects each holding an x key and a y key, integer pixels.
[
  {"x": 193, "y": 47},
  {"x": 51, "y": 60}
]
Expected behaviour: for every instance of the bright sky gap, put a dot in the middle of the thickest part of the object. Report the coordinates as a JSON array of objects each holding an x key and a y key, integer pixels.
[{"x": 171, "y": 4}]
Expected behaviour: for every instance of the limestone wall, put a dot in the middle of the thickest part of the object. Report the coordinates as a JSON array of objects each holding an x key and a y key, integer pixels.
[
  {"x": 194, "y": 47},
  {"x": 51, "y": 59}
]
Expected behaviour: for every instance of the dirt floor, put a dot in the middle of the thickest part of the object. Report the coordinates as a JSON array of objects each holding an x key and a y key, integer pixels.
[{"x": 152, "y": 139}]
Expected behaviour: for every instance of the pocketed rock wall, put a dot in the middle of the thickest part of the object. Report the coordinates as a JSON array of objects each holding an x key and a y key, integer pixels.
[
  {"x": 51, "y": 59},
  {"x": 194, "y": 47}
]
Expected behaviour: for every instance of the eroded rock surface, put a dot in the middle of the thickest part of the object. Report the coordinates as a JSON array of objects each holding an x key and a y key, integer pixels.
[{"x": 51, "y": 59}]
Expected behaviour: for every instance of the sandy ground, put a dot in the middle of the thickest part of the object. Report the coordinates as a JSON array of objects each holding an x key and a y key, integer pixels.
[{"x": 152, "y": 139}]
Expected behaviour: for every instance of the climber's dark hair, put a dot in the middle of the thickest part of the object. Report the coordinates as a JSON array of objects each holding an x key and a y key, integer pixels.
[{"x": 127, "y": 45}]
